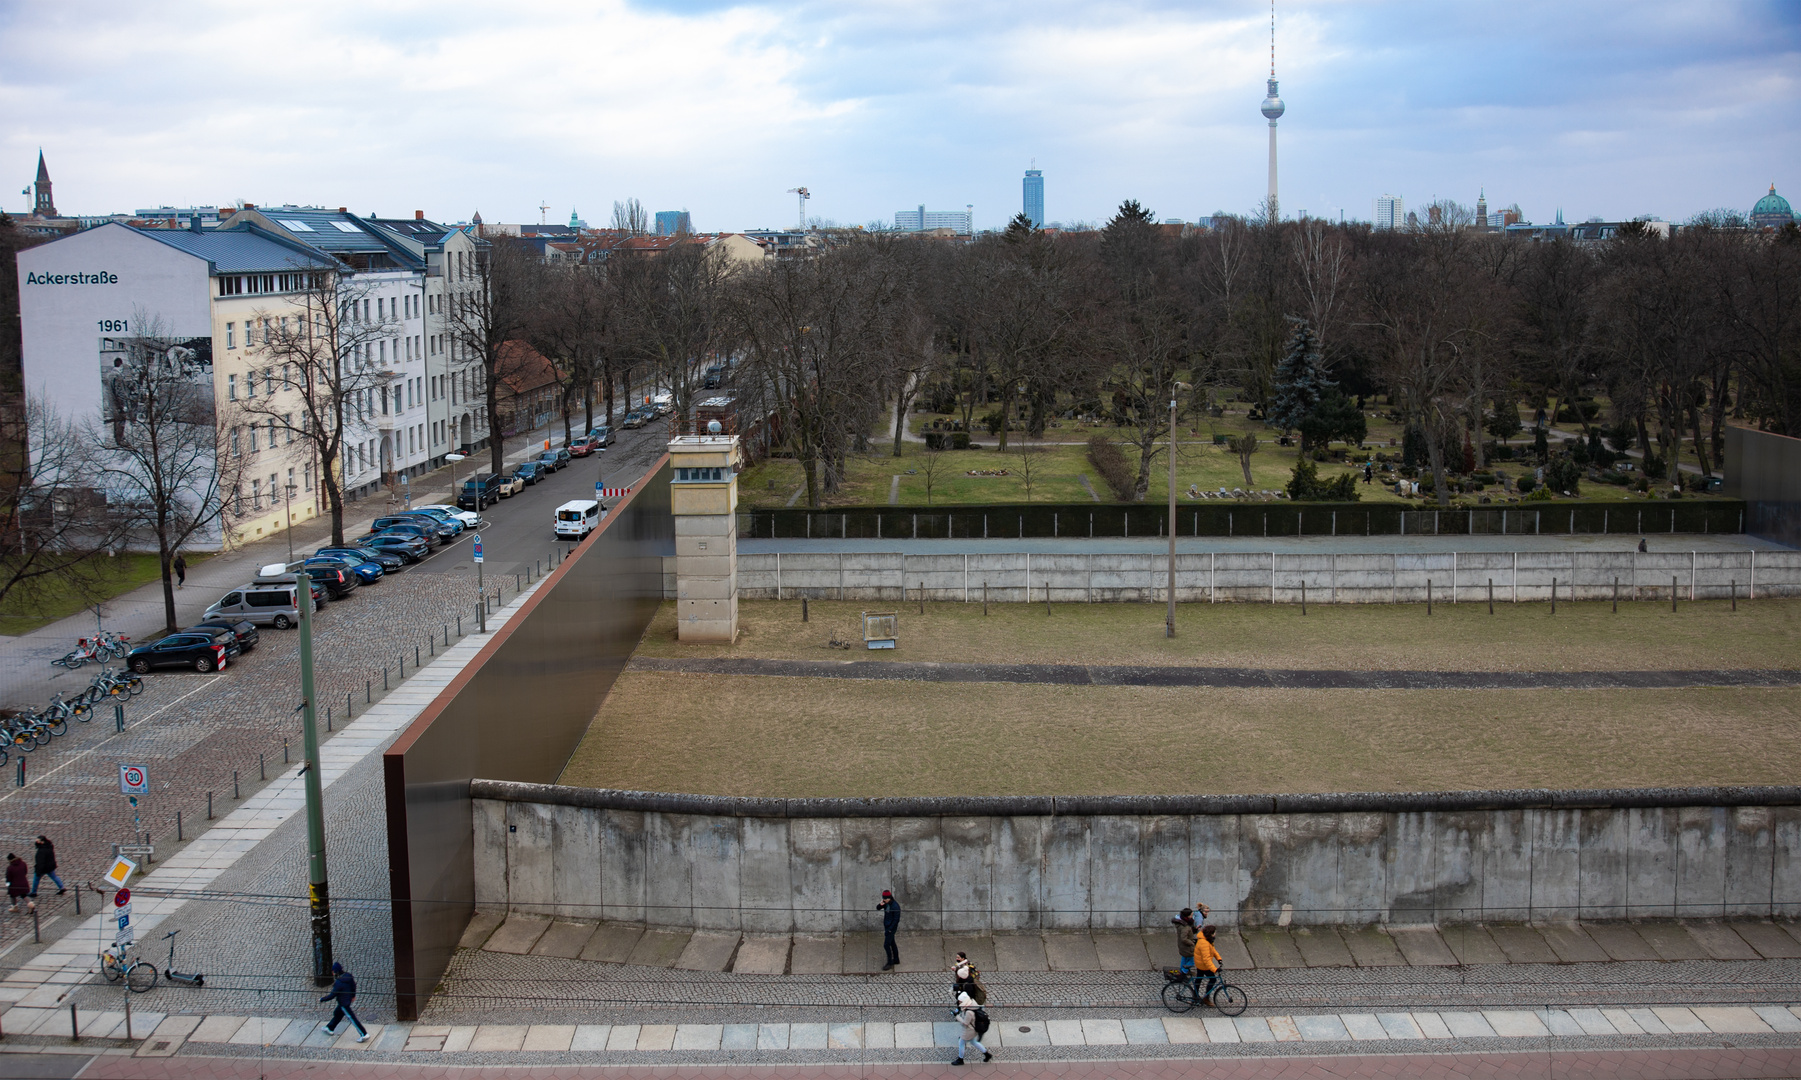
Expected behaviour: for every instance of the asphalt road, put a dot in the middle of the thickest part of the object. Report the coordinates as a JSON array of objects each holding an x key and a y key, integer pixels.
[{"x": 521, "y": 530}]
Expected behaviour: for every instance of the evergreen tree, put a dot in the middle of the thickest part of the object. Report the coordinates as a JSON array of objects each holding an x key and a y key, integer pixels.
[{"x": 1301, "y": 382}]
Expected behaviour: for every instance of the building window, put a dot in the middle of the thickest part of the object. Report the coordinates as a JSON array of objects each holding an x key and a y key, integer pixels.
[
  {"x": 256, "y": 494},
  {"x": 234, "y": 442},
  {"x": 290, "y": 479},
  {"x": 231, "y": 335},
  {"x": 288, "y": 422},
  {"x": 306, "y": 474},
  {"x": 274, "y": 491},
  {"x": 231, "y": 387},
  {"x": 253, "y": 438},
  {"x": 250, "y": 384},
  {"x": 272, "y": 433}
]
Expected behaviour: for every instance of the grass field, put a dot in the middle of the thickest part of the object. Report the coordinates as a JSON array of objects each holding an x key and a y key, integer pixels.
[
  {"x": 732, "y": 735},
  {"x": 27, "y": 610},
  {"x": 1456, "y": 637},
  {"x": 793, "y": 737}
]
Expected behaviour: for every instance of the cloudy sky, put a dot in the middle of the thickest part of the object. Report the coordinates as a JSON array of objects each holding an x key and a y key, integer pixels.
[{"x": 450, "y": 106}]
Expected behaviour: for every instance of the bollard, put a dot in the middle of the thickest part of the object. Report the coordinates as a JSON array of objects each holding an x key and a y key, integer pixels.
[
  {"x": 262, "y": 767},
  {"x": 1553, "y": 596},
  {"x": 1491, "y": 596},
  {"x": 1303, "y": 598},
  {"x": 447, "y": 635},
  {"x": 37, "y": 930},
  {"x": 803, "y": 609},
  {"x": 515, "y": 582},
  {"x": 984, "y": 615},
  {"x": 367, "y": 692},
  {"x": 178, "y": 836},
  {"x": 431, "y": 644},
  {"x": 347, "y": 703},
  {"x": 400, "y": 663},
  {"x": 1735, "y": 594},
  {"x": 1672, "y": 593},
  {"x": 209, "y": 812},
  {"x": 234, "y": 785},
  {"x": 284, "y": 751},
  {"x": 78, "y": 899},
  {"x": 384, "y": 678},
  {"x": 1616, "y": 596},
  {"x": 459, "y": 626},
  {"x": 922, "y": 598},
  {"x": 21, "y": 780},
  {"x": 481, "y": 616},
  {"x": 415, "y": 658},
  {"x": 328, "y": 718},
  {"x": 74, "y": 1024},
  {"x": 119, "y": 717},
  {"x": 1428, "y": 596},
  {"x": 128, "y": 1035}
]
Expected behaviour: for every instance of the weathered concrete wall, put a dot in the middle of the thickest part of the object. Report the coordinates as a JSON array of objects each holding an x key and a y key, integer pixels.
[
  {"x": 983, "y": 864},
  {"x": 1764, "y": 469},
  {"x": 1260, "y": 577}
]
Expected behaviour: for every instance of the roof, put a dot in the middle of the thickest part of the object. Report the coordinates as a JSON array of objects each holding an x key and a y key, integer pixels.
[
  {"x": 339, "y": 232},
  {"x": 522, "y": 368},
  {"x": 1772, "y": 204},
  {"x": 239, "y": 249}
]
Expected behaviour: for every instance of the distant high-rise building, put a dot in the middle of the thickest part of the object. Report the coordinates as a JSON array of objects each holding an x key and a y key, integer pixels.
[
  {"x": 1034, "y": 188},
  {"x": 670, "y": 222},
  {"x": 1391, "y": 212},
  {"x": 1482, "y": 206},
  {"x": 46, "y": 206},
  {"x": 923, "y": 220}
]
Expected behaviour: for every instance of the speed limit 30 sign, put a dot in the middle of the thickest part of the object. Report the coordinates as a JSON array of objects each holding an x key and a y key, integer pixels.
[{"x": 134, "y": 780}]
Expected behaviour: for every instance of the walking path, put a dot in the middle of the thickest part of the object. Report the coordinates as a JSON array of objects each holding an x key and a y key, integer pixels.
[{"x": 1173, "y": 675}]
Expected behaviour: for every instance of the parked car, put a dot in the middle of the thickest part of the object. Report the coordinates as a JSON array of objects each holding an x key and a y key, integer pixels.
[
  {"x": 242, "y": 629},
  {"x": 387, "y": 560},
  {"x": 662, "y": 405},
  {"x": 548, "y": 459},
  {"x": 409, "y": 547},
  {"x": 714, "y": 376},
  {"x": 202, "y": 650},
  {"x": 266, "y": 602},
  {"x": 431, "y": 531},
  {"x": 531, "y": 472},
  {"x": 366, "y": 572},
  {"x": 479, "y": 491},
  {"x": 338, "y": 581},
  {"x": 602, "y": 436},
  {"x": 469, "y": 518},
  {"x": 635, "y": 420},
  {"x": 441, "y": 516},
  {"x": 511, "y": 485},
  {"x": 577, "y": 518},
  {"x": 558, "y": 460},
  {"x": 582, "y": 446}
]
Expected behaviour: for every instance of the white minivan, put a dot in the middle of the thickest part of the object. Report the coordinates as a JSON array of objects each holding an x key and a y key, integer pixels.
[{"x": 577, "y": 518}]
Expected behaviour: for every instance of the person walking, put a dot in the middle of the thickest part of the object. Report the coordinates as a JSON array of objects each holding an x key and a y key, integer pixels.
[
  {"x": 1186, "y": 931},
  {"x": 891, "y": 911},
  {"x": 975, "y": 1024},
  {"x": 1643, "y": 548},
  {"x": 343, "y": 991},
  {"x": 18, "y": 884},
  {"x": 180, "y": 566},
  {"x": 44, "y": 866},
  {"x": 968, "y": 980}
]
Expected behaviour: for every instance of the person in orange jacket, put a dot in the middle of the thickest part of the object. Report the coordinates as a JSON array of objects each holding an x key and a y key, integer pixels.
[{"x": 1206, "y": 960}]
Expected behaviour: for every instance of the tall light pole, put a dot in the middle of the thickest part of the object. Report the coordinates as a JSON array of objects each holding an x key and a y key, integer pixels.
[
  {"x": 318, "y": 889},
  {"x": 1169, "y": 620},
  {"x": 453, "y": 459},
  {"x": 291, "y": 490}
]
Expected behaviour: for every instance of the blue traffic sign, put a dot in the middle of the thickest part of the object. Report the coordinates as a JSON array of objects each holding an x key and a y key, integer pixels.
[{"x": 478, "y": 547}]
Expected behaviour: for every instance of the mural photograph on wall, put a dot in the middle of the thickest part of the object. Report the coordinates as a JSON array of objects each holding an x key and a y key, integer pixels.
[{"x": 142, "y": 375}]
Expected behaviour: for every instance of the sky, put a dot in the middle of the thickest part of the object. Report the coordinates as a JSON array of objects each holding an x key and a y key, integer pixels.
[{"x": 1607, "y": 109}]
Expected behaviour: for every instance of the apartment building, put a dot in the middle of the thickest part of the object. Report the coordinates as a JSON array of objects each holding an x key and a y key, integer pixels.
[{"x": 97, "y": 305}]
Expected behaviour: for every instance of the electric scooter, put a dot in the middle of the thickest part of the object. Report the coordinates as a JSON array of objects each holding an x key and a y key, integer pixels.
[{"x": 169, "y": 972}]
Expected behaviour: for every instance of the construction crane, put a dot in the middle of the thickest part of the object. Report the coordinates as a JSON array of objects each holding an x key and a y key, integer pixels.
[
  {"x": 803, "y": 195},
  {"x": 543, "y": 213}
]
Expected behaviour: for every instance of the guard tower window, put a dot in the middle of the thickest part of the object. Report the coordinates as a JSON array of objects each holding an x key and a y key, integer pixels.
[{"x": 693, "y": 476}]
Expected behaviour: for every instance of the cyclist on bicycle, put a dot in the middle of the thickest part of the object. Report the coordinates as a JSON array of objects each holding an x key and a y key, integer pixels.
[{"x": 1206, "y": 963}]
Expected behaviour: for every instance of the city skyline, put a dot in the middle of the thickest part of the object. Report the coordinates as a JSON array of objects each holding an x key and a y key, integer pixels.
[{"x": 1662, "y": 109}]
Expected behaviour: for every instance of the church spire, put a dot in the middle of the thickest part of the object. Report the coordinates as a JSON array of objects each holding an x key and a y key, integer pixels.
[{"x": 45, "y": 206}]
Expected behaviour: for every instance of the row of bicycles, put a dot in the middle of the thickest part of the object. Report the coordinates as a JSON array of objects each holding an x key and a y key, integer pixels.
[
  {"x": 26, "y": 731},
  {"x": 104, "y": 646}
]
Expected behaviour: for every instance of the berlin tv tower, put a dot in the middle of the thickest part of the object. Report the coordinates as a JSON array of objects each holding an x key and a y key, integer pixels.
[{"x": 1272, "y": 108}]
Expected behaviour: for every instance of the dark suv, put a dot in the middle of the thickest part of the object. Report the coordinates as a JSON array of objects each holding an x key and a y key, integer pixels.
[
  {"x": 479, "y": 492},
  {"x": 338, "y": 583},
  {"x": 433, "y": 531}
]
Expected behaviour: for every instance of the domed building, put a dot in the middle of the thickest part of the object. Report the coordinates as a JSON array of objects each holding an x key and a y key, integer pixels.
[{"x": 1771, "y": 212}]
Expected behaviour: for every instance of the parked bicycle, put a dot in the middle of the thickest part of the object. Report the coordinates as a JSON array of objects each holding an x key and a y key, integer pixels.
[
  {"x": 110, "y": 683},
  {"x": 98, "y": 648},
  {"x": 139, "y": 975},
  {"x": 1182, "y": 992}
]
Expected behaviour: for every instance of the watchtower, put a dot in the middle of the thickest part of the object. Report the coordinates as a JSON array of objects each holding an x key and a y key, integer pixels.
[{"x": 703, "y": 496}]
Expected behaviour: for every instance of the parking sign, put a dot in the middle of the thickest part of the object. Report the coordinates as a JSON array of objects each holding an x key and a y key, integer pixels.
[
  {"x": 478, "y": 547},
  {"x": 134, "y": 780}
]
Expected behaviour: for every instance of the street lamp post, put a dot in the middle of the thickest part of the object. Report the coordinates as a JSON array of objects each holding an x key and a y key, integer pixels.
[
  {"x": 453, "y": 459},
  {"x": 291, "y": 490},
  {"x": 318, "y": 889}
]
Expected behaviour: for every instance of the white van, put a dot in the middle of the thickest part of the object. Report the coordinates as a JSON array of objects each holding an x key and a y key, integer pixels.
[{"x": 577, "y": 518}]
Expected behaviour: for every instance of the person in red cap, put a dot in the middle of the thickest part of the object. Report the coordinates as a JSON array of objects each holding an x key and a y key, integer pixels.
[{"x": 890, "y": 909}]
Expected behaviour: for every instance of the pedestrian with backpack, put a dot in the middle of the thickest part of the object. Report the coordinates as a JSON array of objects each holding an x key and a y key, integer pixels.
[
  {"x": 343, "y": 992},
  {"x": 974, "y": 1019},
  {"x": 968, "y": 980}
]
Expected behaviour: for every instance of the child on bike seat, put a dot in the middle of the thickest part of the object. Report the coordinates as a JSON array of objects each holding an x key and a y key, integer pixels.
[{"x": 1206, "y": 957}]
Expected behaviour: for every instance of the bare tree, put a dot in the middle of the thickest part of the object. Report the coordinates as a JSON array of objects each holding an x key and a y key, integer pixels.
[
  {"x": 496, "y": 310},
  {"x": 51, "y": 525},
  {"x": 573, "y": 325},
  {"x": 1244, "y": 446},
  {"x": 156, "y": 449},
  {"x": 1145, "y": 339},
  {"x": 1028, "y": 466},
  {"x": 629, "y": 216},
  {"x": 929, "y": 464},
  {"x": 320, "y": 377},
  {"x": 674, "y": 309}
]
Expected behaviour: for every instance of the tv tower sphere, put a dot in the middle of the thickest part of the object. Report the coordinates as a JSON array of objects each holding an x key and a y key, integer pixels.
[{"x": 1272, "y": 105}]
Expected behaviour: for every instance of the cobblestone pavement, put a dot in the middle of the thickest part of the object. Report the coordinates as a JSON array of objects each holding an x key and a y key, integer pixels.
[
  {"x": 1659, "y": 1064},
  {"x": 194, "y": 731}
]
